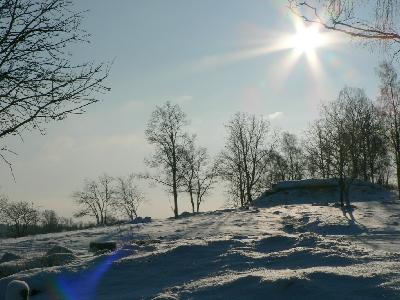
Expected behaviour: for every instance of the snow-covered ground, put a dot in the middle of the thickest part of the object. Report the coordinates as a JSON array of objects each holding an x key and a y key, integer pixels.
[{"x": 300, "y": 251}]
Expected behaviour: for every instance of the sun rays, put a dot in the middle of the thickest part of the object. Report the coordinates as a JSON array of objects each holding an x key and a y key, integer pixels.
[
  {"x": 303, "y": 42},
  {"x": 307, "y": 39}
]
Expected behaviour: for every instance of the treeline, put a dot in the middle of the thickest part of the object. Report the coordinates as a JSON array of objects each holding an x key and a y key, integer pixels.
[
  {"x": 353, "y": 138},
  {"x": 24, "y": 218},
  {"x": 106, "y": 200}
]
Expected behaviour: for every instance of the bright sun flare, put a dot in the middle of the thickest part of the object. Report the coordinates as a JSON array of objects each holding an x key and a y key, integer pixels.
[{"x": 307, "y": 39}]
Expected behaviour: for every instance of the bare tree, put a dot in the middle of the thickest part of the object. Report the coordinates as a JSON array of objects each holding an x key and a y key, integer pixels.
[
  {"x": 318, "y": 153},
  {"x": 165, "y": 131},
  {"x": 19, "y": 215},
  {"x": 370, "y": 20},
  {"x": 230, "y": 169},
  {"x": 50, "y": 220},
  {"x": 96, "y": 198},
  {"x": 293, "y": 156},
  {"x": 199, "y": 173},
  {"x": 348, "y": 141},
  {"x": 39, "y": 82},
  {"x": 277, "y": 168},
  {"x": 243, "y": 161},
  {"x": 333, "y": 115},
  {"x": 389, "y": 105},
  {"x": 128, "y": 196},
  {"x": 3, "y": 205}
]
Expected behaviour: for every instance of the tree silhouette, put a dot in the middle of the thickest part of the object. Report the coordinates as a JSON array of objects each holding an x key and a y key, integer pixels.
[{"x": 39, "y": 82}]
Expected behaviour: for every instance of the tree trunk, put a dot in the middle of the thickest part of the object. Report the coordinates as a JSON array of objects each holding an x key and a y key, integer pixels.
[
  {"x": 341, "y": 190},
  {"x": 175, "y": 192},
  {"x": 347, "y": 191},
  {"x": 398, "y": 174},
  {"x": 198, "y": 197},
  {"x": 248, "y": 194},
  {"x": 191, "y": 200}
]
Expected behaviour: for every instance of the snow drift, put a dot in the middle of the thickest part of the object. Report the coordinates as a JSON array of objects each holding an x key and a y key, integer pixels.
[{"x": 320, "y": 191}]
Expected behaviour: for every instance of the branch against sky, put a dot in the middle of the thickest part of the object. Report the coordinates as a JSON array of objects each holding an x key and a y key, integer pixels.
[
  {"x": 39, "y": 82},
  {"x": 351, "y": 18}
]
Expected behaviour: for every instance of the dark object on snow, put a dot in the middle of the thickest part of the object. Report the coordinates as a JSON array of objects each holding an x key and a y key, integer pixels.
[
  {"x": 102, "y": 246},
  {"x": 58, "y": 250},
  {"x": 8, "y": 256},
  {"x": 17, "y": 290},
  {"x": 57, "y": 259},
  {"x": 140, "y": 220},
  {"x": 147, "y": 242},
  {"x": 185, "y": 214}
]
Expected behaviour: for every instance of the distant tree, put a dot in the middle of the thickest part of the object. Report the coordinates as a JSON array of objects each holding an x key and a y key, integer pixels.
[
  {"x": 39, "y": 82},
  {"x": 277, "y": 168},
  {"x": 389, "y": 107},
  {"x": 21, "y": 216},
  {"x": 318, "y": 153},
  {"x": 50, "y": 220},
  {"x": 243, "y": 161},
  {"x": 128, "y": 196},
  {"x": 230, "y": 170},
  {"x": 199, "y": 173},
  {"x": 3, "y": 204},
  {"x": 293, "y": 155},
  {"x": 165, "y": 131},
  {"x": 369, "y": 20},
  {"x": 96, "y": 199},
  {"x": 66, "y": 222}
]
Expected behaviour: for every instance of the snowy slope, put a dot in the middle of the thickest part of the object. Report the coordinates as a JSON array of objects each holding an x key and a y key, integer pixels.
[
  {"x": 298, "y": 251},
  {"x": 320, "y": 191}
]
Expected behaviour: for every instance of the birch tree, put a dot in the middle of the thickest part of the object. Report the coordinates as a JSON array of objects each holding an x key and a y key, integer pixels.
[{"x": 166, "y": 132}]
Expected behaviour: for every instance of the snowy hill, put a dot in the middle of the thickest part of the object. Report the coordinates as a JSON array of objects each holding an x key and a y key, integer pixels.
[
  {"x": 320, "y": 191},
  {"x": 300, "y": 251}
]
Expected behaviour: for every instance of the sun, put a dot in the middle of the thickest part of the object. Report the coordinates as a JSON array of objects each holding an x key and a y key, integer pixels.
[
  {"x": 307, "y": 39},
  {"x": 302, "y": 43}
]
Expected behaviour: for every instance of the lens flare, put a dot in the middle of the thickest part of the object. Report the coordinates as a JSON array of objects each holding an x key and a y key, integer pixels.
[{"x": 307, "y": 40}]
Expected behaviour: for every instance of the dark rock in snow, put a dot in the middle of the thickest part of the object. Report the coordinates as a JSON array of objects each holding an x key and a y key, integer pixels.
[
  {"x": 58, "y": 250},
  {"x": 8, "y": 256},
  {"x": 58, "y": 259},
  {"x": 185, "y": 214},
  {"x": 102, "y": 246},
  {"x": 147, "y": 242},
  {"x": 140, "y": 220}
]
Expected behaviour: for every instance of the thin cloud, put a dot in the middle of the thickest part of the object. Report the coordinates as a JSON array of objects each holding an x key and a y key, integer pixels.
[
  {"x": 275, "y": 115},
  {"x": 184, "y": 99}
]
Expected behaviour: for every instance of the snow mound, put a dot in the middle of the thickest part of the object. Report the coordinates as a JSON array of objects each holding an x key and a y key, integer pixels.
[
  {"x": 56, "y": 259},
  {"x": 58, "y": 250},
  {"x": 276, "y": 243},
  {"x": 320, "y": 192},
  {"x": 8, "y": 256},
  {"x": 165, "y": 297}
]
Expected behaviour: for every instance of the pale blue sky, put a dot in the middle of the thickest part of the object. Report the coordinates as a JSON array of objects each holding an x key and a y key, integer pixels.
[{"x": 183, "y": 51}]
